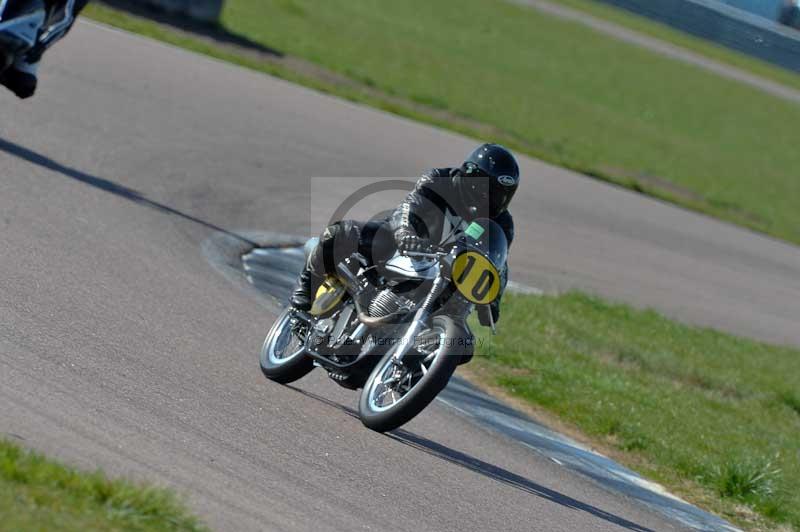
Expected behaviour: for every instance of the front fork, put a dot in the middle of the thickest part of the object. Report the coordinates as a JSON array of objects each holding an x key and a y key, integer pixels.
[{"x": 419, "y": 320}]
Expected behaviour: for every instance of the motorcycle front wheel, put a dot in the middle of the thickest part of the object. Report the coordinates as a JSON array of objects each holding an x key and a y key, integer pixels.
[
  {"x": 396, "y": 392},
  {"x": 283, "y": 357}
]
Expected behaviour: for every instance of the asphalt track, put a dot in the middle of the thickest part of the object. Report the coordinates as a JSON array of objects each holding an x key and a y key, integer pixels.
[
  {"x": 122, "y": 347},
  {"x": 272, "y": 269}
]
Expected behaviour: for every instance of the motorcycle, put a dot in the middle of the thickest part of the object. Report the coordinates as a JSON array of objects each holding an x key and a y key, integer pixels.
[
  {"x": 29, "y": 24},
  {"x": 396, "y": 330}
]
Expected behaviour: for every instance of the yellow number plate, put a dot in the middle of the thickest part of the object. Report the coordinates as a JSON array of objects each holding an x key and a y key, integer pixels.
[{"x": 476, "y": 278}]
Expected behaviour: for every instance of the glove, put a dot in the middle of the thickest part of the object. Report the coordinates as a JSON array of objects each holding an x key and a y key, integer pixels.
[{"x": 407, "y": 241}]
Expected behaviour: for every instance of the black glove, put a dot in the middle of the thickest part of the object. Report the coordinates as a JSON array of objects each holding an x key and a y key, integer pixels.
[{"x": 407, "y": 241}]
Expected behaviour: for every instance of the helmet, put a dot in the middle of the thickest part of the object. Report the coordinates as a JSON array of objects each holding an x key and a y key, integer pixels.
[{"x": 487, "y": 180}]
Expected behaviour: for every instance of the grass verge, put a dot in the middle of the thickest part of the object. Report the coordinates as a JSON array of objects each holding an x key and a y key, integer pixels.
[
  {"x": 39, "y": 494},
  {"x": 711, "y": 416},
  {"x": 547, "y": 87},
  {"x": 684, "y": 40}
]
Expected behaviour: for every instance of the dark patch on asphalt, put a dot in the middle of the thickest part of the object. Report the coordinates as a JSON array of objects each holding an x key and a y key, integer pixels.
[
  {"x": 273, "y": 270},
  {"x": 109, "y": 186},
  {"x": 245, "y": 259}
]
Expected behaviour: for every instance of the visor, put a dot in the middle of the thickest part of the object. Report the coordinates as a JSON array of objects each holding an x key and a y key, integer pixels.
[{"x": 490, "y": 195}]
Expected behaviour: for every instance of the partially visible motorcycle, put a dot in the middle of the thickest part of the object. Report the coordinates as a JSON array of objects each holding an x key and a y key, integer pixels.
[
  {"x": 26, "y": 25},
  {"x": 396, "y": 330}
]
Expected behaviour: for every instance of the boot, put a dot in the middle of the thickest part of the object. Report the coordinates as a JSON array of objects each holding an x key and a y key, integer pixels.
[
  {"x": 21, "y": 78},
  {"x": 301, "y": 297}
]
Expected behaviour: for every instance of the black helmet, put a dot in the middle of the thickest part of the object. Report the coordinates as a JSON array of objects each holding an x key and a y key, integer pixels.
[{"x": 487, "y": 180}]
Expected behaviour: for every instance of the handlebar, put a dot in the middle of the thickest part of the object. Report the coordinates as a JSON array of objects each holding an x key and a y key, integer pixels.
[{"x": 433, "y": 254}]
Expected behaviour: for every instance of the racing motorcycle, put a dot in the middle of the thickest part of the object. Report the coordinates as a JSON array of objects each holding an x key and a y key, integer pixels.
[
  {"x": 396, "y": 330},
  {"x": 24, "y": 24}
]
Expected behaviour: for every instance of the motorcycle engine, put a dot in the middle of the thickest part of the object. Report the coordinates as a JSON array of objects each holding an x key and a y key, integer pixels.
[
  {"x": 387, "y": 302},
  {"x": 320, "y": 334}
]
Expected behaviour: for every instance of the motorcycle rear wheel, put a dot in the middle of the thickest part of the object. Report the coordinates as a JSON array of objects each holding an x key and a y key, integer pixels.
[
  {"x": 283, "y": 357},
  {"x": 406, "y": 400}
]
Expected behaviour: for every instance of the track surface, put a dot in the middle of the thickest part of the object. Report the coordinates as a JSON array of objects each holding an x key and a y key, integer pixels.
[{"x": 121, "y": 347}]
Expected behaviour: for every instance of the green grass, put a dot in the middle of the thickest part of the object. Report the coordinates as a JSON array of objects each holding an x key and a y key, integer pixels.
[
  {"x": 550, "y": 88},
  {"x": 685, "y": 40},
  {"x": 39, "y": 494},
  {"x": 712, "y": 416}
]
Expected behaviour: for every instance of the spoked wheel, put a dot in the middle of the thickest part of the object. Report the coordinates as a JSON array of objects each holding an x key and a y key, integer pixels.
[
  {"x": 396, "y": 392},
  {"x": 283, "y": 357}
]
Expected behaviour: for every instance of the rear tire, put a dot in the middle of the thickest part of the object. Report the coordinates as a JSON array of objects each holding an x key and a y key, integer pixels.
[
  {"x": 449, "y": 353},
  {"x": 280, "y": 366}
]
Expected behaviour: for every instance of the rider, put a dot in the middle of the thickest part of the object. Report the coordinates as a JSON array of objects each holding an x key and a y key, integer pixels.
[
  {"x": 437, "y": 212},
  {"x": 21, "y": 77}
]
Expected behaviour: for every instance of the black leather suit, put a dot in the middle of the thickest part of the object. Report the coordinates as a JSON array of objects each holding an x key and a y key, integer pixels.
[
  {"x": 432, "y": 211},
  {"x": 61, "y": 17}
]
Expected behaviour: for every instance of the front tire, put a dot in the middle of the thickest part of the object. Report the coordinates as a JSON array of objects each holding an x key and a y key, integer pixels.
[
  {"x": 380, "y": 414},
  {"x": 283, "y": 358}
]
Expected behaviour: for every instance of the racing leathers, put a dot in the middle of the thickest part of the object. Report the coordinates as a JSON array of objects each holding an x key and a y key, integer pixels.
[
  {"x": 430, "y": 214},
  {"x": 21, "y": 78}
]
